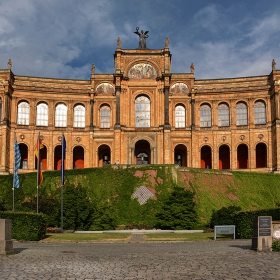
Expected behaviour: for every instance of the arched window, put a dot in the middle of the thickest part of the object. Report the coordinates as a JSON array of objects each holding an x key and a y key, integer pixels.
[
  {"x": 105, "y": 116},
  {"x": 205, "y": 116},
  {"x": 242, "y": 157},
  {"x": 223, "y": 114},
  {"x": 241, "y": 113},
  {"x": 206, "y": 157},
  {"x": 61, "y": 115},
  {"x": 180, "y": 116},
  {"x": 261, "y": 155},
  {"x": 24, "y": 156},
  {"x": 23, "y": 113},
  {"x": 79, "y": 116},
  {"x": 78, "y": 157},
  {"x": 142, "y": 111},
  {"x": 42, "y": 114},
  {"x": 260, "y": 112}
]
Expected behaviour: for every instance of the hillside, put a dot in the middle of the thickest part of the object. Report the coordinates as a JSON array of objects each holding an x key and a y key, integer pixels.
[{"x": 115, "y": 186}]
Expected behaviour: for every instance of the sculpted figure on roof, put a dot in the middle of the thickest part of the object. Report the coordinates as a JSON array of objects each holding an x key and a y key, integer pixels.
[{"x": 142, "y": 38}]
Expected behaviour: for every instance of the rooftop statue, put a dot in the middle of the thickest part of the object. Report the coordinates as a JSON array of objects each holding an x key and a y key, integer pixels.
[{"x": 142, "y": 38}]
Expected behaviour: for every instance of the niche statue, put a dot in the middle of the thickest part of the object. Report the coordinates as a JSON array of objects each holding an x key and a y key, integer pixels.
[{"x": 142, "y": 38}]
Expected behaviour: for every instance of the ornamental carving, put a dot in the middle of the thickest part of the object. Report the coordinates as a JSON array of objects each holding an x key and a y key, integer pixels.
[{"x": 260, "y": 136}]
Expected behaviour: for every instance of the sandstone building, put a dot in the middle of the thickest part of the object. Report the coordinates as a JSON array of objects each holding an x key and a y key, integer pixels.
[{"x": 142, "y": 114}]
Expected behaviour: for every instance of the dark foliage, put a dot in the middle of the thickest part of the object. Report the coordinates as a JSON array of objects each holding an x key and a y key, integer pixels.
[
  {"x": 244, "y": 221},
  {"x": 104, "y": 217},
  {"x": 77, "y": 209},
  {"x": 224, "y": 216},
  {"x": 177, "y": 211},
  {"x": 26, "y": 226}
]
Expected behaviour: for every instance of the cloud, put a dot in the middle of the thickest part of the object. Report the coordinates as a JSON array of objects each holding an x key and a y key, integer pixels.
[{"x": 63, "y": 38}]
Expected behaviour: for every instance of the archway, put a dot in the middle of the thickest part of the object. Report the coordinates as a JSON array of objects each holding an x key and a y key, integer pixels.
[
  {"x": 242, "y": 157},
  {"x": 224, "y": 157},
  {"x": 104, "y": 155},
  {"x": 261, "y": 155},
  {"x": 142, "y": 153},
  {"x": 43, "y": 158},
  {"x": 24, "y": 156},
  {"x": 78, "y": 157},
  {"x": 57, "y": 157},
  {"x": 206, "y": 157},
  {"x": 180, "y": 155}
]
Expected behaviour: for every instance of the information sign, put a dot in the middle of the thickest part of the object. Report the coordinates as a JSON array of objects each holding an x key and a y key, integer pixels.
[
  {"x": 224, "y": 230},
  {"x": 276, "y": 234}
]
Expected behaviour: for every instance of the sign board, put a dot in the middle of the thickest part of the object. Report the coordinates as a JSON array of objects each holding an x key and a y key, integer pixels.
[
  {"x": 264, "y": 222},
  {"x": 224, "y": 230},
  {"x": 264, "y": 232},
  {"x": 276, "y": 234}
]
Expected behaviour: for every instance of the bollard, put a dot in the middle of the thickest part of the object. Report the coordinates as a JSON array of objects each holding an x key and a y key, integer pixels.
[{"x": 6, "y": 243}]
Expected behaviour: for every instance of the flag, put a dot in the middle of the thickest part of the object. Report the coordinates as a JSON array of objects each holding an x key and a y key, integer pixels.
[
  {"x": 17, "y": 159},
  {"x": 63, "y": 153},
  {"x": 38, "y": 147}
]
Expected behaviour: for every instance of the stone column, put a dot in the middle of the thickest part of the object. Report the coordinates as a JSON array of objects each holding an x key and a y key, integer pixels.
[
  {"x": 166, "y": 108},
  {"x": 118, "y": 124},
  {"x": 192, "y": 114},
  {"x": 6, "y": 111},
  {"x": 132, "y": 156},
  {"x": 276, "y": 105},
  {"x": 91, "y": 114}
]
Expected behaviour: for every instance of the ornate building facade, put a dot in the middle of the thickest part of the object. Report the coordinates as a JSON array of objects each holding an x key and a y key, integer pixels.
[{"x": 142, "y": 114}]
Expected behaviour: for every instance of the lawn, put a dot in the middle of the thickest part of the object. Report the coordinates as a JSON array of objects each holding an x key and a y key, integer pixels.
[
  {"x": 185, "y": 236},
  {"x": 125, "y": 237},
  {"x": 87, "y": 237}
]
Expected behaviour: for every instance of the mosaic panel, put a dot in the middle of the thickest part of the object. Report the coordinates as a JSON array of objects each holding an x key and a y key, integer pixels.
[{"x": 142, "y": 194}]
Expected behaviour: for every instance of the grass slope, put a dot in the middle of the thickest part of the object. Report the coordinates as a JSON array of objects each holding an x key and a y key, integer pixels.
[{"x": 213, "y": 189}]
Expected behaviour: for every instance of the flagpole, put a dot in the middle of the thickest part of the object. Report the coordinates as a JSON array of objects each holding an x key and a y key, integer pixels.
[
  {"x": 13, "y": 188},
  {"x": 38, "y": 170},
  {"x": 62, "y": 180}
]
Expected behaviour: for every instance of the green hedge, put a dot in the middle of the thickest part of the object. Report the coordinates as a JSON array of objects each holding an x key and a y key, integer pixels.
[
  {"x": 244, "y": 221},
  {"x": 26, "y": 226}
]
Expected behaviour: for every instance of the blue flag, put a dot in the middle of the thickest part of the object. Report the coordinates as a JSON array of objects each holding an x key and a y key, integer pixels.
[
  {"x": 17, "y": 160},
  {"x": 62, "y": 167}
]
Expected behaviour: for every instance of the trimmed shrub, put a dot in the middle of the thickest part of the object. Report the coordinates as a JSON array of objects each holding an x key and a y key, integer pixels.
[
  {"x": 244, "y": 221},
  {"x": 26, "y": 226}
]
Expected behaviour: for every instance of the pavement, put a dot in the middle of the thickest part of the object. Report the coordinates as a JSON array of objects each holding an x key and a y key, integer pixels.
[{"x": 136, "y": 259}]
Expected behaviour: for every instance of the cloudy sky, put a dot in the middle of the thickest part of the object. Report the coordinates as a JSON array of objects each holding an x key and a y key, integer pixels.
[{"x": 62, "y": 38}]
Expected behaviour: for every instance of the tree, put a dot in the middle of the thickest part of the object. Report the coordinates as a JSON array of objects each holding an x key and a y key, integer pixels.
[
  {"x": 77, "y": 208},
  {"x": 178, "y": 210},
  {"x": 104, "y": 216}
]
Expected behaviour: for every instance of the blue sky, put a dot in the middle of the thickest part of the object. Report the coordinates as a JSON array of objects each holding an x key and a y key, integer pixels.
[{"x": 62, "y": 38}]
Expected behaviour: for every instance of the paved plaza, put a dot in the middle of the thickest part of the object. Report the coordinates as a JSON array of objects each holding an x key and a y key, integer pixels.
[{"x": 231, "y": 259}]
